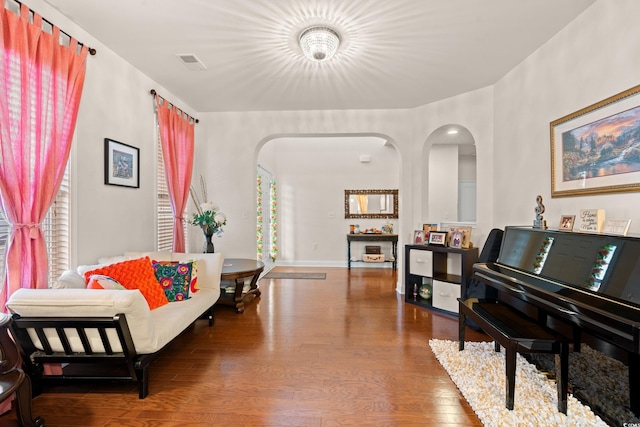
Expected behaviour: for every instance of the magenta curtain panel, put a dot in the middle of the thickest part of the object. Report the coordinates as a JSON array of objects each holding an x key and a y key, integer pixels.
[
  {"x": 40, "y": 87},
  {"x": 176, "y": 137}
]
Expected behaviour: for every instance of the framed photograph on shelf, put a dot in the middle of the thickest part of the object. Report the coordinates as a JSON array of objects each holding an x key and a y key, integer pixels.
[
  {"x": 418, "y": 237},
  {"x": 594, "y": 150},
  {"x": 438, "y": 238},
  {"x": 566, "y": 222},
  {"x": 455, "y": 239},
  {"x": 428, "y": 228},
  {"x": 121, "y": 164}
]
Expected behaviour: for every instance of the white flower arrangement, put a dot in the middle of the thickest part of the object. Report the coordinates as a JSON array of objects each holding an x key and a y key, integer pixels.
[{"x": 208, "y": 215}]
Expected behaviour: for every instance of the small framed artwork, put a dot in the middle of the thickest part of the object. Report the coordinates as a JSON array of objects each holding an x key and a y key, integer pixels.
[
  {"x": 418, "y": 237},
  {"x": 566, "y": 222},
  {"x": 438, "y": 238},
  {"x": 456, "y": 239},
  {"x": 121, "y": 164},
  {"x": 428, "y": 228}
]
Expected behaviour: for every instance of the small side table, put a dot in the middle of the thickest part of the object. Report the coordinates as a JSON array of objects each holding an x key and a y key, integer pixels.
[{"x": 239, "y": 270}]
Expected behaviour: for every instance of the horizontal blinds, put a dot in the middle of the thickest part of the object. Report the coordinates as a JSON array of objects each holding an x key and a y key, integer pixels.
[
  {"x": 4, "y": 237},
  {"x": 56, "y": 228}
]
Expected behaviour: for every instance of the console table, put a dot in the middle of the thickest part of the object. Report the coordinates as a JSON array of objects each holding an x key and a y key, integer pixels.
[
  {"x": 374, "y": 237},
  {"x": 238, "y": 270}
]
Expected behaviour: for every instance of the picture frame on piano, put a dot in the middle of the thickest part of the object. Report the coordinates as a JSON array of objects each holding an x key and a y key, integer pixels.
[
  {"x": 594, "y": 150},
  {"x": 567, "y": 222}
]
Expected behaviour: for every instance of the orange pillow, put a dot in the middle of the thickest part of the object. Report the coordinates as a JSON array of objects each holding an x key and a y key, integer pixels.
[{"x": 135, "y": 274}]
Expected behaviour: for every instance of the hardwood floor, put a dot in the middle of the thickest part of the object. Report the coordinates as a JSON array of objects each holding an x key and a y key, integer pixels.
[{"x": 342, "y": 351}]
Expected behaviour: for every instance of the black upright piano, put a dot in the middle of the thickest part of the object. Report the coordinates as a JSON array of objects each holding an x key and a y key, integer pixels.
[{"x": 585, "y": 286}]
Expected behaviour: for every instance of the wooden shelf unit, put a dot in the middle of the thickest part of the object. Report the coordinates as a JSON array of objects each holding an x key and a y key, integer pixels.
[{"x": 430, "y": 264}]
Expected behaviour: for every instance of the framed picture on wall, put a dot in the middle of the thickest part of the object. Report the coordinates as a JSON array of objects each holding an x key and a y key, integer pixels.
[
  {"x": 594, "y": 150},
  {"x": 121, "y": 164}
]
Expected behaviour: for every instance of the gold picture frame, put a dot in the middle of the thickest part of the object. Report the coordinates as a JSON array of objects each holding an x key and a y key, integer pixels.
[{"x": 593, "y": 150}]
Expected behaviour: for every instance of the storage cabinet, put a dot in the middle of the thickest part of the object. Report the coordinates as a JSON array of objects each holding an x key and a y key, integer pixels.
[{"x": 440, "y": 271}]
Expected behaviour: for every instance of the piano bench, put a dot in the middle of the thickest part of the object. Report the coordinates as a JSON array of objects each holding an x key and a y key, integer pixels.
[{"x": 517, "y": 334}]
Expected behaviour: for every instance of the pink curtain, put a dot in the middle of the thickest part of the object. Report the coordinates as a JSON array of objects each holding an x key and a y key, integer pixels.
[
  {"x": 40, "y": 88},
  {"x": 176, "y": 136}
]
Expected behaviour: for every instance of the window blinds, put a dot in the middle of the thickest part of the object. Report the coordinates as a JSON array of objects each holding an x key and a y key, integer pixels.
[{"x": 163, "y": 207}]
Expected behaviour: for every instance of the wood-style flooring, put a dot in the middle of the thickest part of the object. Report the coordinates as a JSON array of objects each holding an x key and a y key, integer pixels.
[{"x": 345, "y": 351}]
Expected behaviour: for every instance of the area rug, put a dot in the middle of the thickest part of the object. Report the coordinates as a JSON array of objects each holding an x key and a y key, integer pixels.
[
  {"x": 294, "y": 275},
  {"x": 479, "y": 373},
  {"x": 598, "y": 381}
]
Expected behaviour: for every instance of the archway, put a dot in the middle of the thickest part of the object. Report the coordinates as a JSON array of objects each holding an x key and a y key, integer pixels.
[
  {"x": 449, "y": 178},
  {"x": 312, "y": 172}
]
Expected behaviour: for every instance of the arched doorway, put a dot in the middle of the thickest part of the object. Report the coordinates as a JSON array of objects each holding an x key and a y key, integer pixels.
[
  {"x": 312, "y": 172},
  {"x": 450, "y": 176}
]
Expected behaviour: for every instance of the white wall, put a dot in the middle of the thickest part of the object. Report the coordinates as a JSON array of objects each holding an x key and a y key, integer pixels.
[
  {"x": 473, "y": 111},
  {"x": 593, "y": 58},
  {"x": 229, "y": 152}
]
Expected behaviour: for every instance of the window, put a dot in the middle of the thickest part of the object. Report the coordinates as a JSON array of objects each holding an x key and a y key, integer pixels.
[
  {"x": 56, "y": 233},
  {"x": 56, "y": 227},
  {"x": 163, "y": 208},
  {"x": 4, "y": 236}
]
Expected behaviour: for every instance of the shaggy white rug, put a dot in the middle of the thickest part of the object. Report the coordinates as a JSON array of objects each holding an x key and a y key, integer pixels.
[{"x": 479, "y": 372}]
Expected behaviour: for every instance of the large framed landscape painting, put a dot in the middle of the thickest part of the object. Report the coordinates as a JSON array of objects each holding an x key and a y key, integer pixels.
[{"x": 597, "y": 150}]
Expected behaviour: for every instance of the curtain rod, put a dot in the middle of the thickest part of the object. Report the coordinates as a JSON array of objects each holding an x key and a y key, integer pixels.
[
  {"x": 154, "y": 93},
  {"x": 91, "y": 50}
]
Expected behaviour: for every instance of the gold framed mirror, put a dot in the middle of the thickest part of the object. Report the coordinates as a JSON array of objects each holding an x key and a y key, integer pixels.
[{"x": 371, "y": 203}]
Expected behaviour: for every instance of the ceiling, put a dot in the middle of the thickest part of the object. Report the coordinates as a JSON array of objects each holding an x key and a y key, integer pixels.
[{"x": 394, "y": 54}]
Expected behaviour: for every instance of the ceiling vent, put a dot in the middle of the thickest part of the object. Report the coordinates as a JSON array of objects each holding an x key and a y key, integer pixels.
[{"x": 191, "y": 62}]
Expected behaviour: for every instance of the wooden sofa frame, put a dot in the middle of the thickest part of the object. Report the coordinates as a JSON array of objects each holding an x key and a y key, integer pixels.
[{"x": 137, "y": 365}]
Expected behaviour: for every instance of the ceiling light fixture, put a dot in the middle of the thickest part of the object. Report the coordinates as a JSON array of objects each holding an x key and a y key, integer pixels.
[
  {"x": 452, "y": 131},
  {"x": 319, "y": 43}
]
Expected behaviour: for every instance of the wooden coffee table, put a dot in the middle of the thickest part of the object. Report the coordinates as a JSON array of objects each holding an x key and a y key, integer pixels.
[{"x": 239, "y": 271}]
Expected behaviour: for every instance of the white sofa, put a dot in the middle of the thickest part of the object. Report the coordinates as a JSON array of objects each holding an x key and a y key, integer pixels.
[{"x": 134, "y": 341}]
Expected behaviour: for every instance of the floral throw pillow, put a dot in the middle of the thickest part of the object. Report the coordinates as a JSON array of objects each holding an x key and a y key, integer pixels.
[{"x": 174, "y": 278}]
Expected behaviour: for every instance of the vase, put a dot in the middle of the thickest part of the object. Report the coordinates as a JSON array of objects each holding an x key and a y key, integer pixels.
[
  {"x": 208, "y": 244},
  {"x": 425, "y": 291}
]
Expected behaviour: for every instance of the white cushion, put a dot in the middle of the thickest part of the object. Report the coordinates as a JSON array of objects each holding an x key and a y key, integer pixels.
[
  {"x": 209, "y": 267},
  {"x": 173, "y": 318},
  {"x": 155, "y": 256},
  {"x": 111, "y": 260},
  {"x": 70, "y": 279}
]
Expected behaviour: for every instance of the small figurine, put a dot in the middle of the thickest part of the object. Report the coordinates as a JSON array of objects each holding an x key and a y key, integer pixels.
[{"x": 539, "y": 222}]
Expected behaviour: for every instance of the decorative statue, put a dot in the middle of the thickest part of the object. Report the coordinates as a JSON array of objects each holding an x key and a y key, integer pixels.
[{"x": 539, "y": 222}]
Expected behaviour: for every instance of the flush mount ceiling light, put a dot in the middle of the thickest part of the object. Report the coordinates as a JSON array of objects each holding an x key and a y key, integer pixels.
[{"x": 319, "y": 43}]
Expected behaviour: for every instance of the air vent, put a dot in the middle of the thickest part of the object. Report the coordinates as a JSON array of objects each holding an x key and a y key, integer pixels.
[{"x": 191, "y": 62}]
